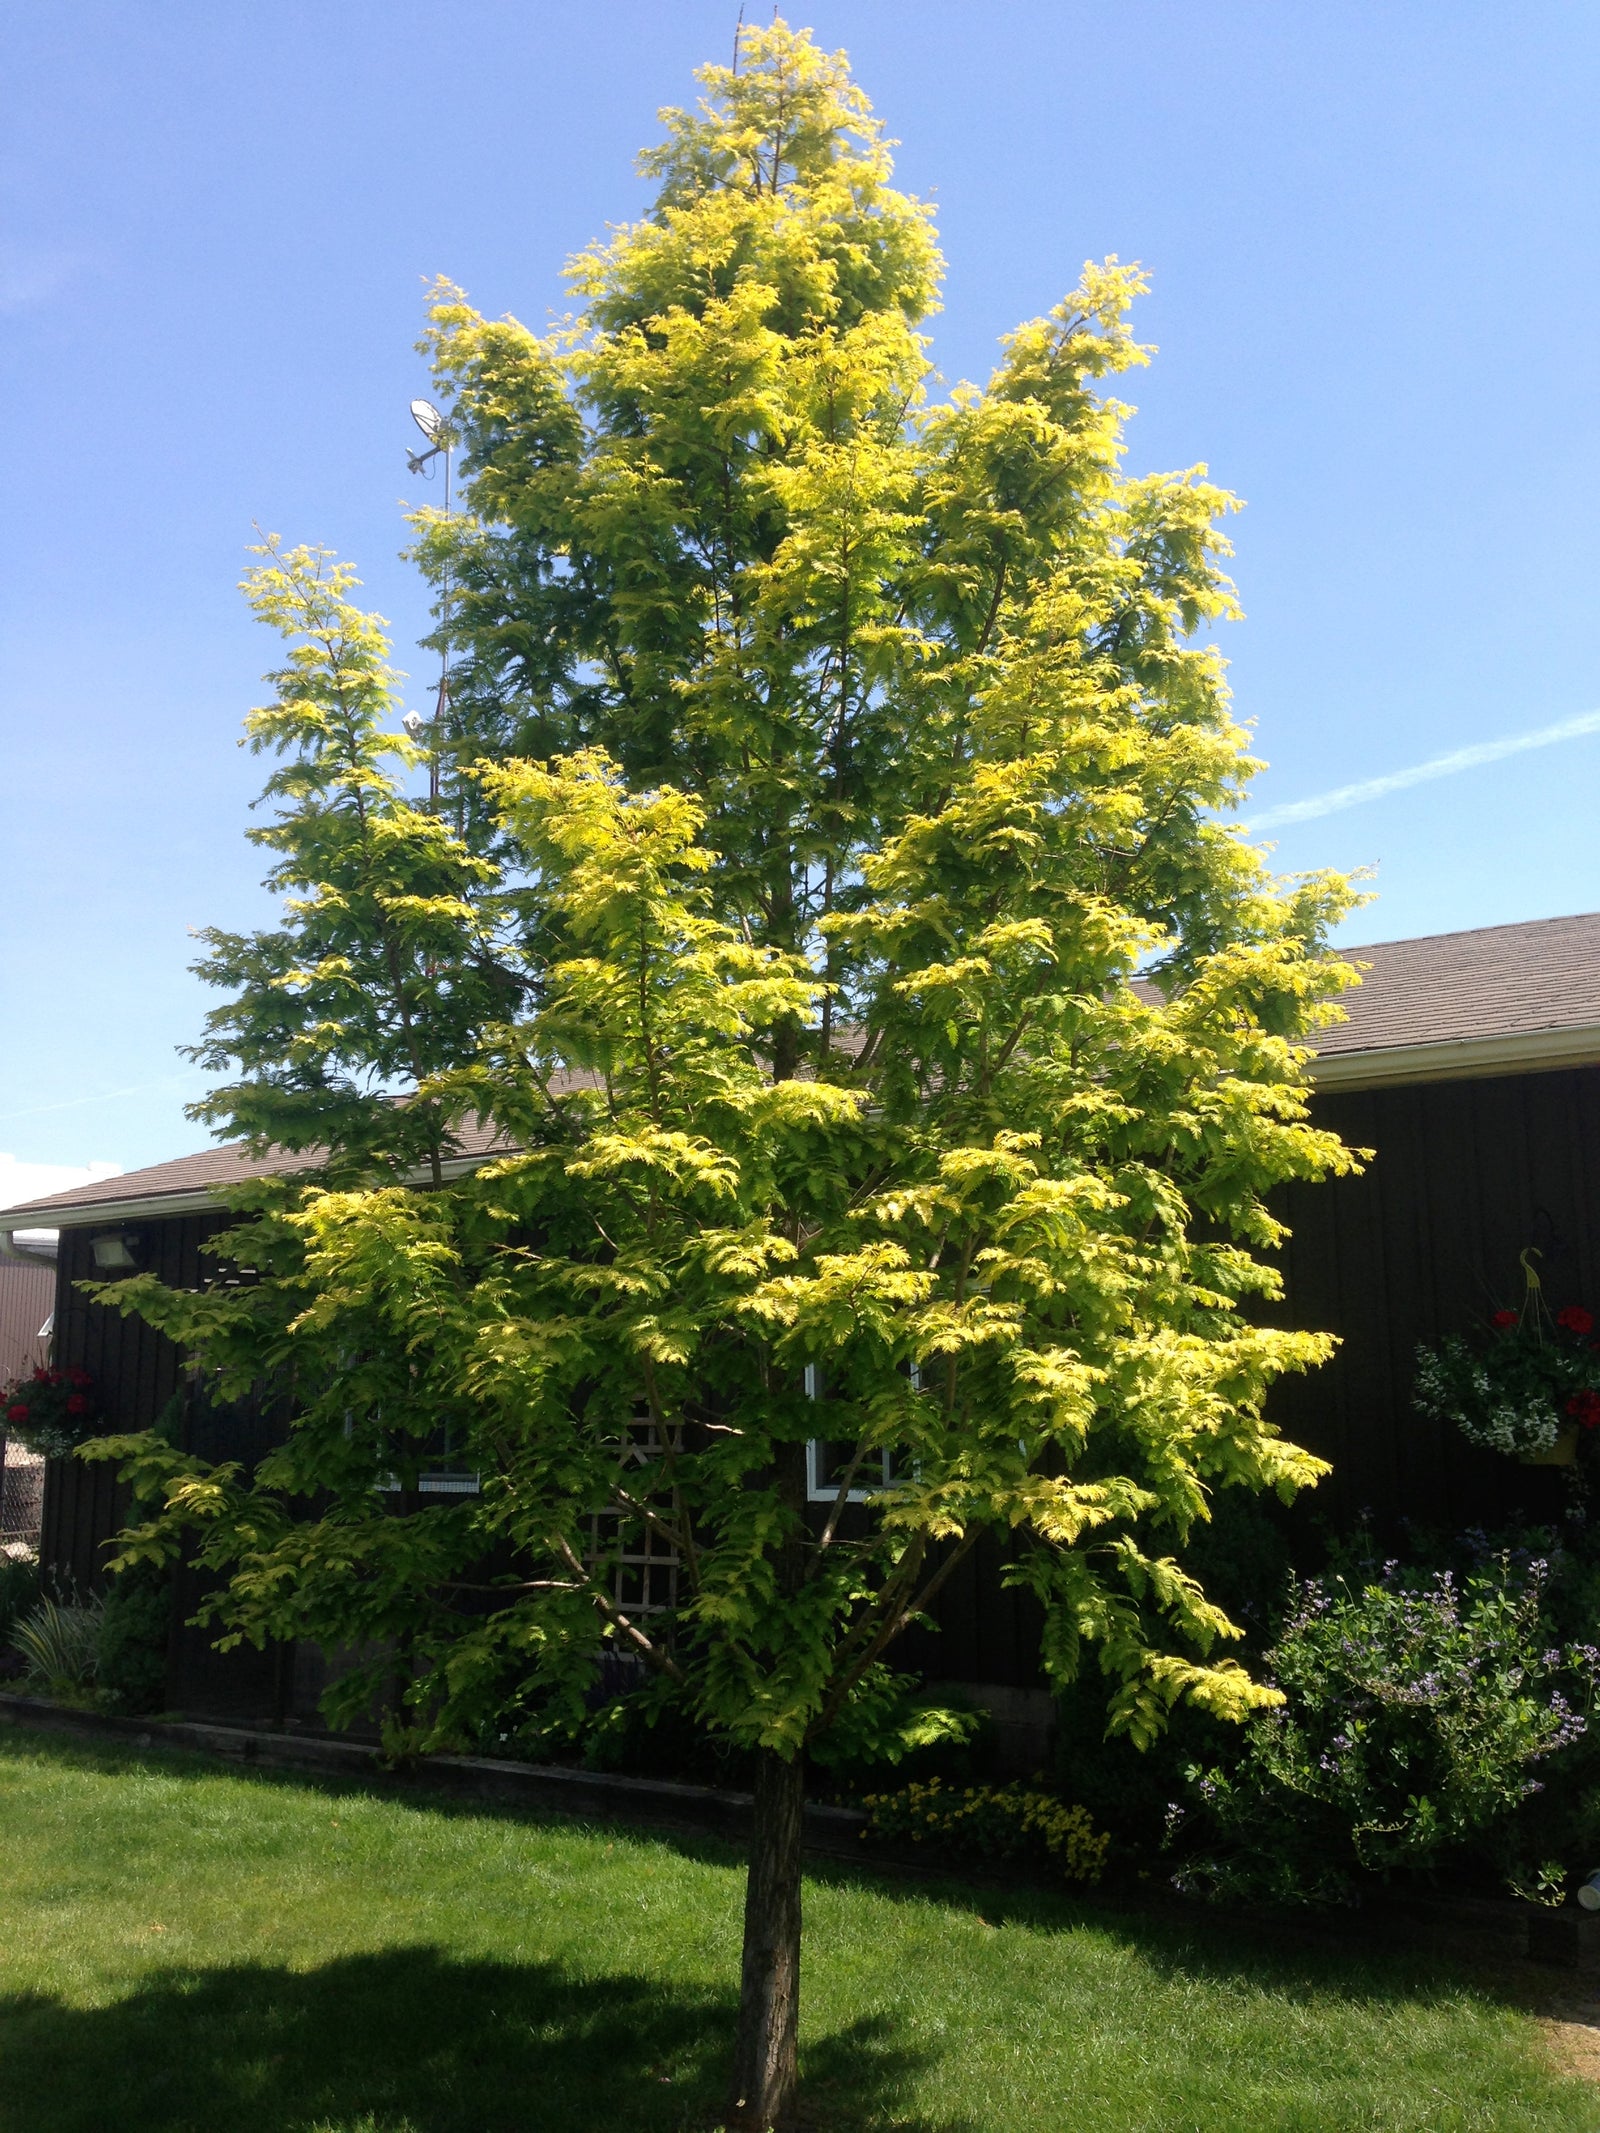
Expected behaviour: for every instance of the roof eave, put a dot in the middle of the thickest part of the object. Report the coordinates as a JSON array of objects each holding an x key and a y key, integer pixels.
[
  {"x": 159, "y": 1206},
  {"x": 1460, "y": 1059}
]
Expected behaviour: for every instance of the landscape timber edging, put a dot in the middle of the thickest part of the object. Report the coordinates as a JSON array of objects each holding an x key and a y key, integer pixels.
[{"x": 830, "y": 1832}]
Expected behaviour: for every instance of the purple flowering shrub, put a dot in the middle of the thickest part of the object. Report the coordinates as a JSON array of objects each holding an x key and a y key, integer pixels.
[{"x": 1419, "y": 1709}]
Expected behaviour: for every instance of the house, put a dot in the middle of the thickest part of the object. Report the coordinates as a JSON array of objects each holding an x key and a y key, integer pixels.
[
  {"x": 27, "y": 1297},
  {"x": 1469, "y": 1064}
]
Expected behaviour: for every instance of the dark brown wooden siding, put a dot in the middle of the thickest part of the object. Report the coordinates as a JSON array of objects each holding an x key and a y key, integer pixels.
[
  {"x": 986, "y": 1632},
  {"x": 136, "y": 1371},
  {"x": 1425, "y": 1243}
]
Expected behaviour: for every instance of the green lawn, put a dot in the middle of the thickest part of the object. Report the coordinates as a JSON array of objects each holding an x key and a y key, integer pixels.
[{"x": 187, "y": 1947}]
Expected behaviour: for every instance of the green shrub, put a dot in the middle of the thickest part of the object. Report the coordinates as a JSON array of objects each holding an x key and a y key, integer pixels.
[
  {"x": 990, "y": 1822},
  {"x": 922, "y": 1731},
  {"x": 1241, "y": 1557},
  {"x": 131, "y": 1653},
  {"x": 19, "y": 1591},
  {"x": 1563, "y": 1818},
  {"x": 1417, "y": 1707},
  {"x": 59, "y": 1643},
  {"x": 643, "y": 1734}
]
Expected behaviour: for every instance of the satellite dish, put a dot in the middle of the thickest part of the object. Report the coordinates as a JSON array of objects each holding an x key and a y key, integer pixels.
[{"x": 428, "y": 418}]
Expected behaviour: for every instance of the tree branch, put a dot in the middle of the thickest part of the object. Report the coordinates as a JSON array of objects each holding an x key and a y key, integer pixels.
[
  {"x": 890, "y": 1630},
  {"x": 662, "y": 1661}
]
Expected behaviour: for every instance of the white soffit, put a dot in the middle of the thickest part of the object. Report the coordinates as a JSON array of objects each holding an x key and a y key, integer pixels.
[{"x": 1461, "y": 1059}]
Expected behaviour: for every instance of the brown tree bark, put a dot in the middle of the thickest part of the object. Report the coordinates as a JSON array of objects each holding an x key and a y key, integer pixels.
[{"x": 765, "y": 2069}]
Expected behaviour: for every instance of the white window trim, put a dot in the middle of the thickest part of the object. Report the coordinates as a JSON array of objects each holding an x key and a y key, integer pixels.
[
  {"x": 818, "y": 1488},
  {"x": 435, "y": 1483},
  {"x": 444, "y": 1483},
  {"x": 448, "y": 1479}
]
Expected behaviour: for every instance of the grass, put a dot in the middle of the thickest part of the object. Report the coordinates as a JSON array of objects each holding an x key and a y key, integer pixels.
[{"x": 186, "y": 1947}]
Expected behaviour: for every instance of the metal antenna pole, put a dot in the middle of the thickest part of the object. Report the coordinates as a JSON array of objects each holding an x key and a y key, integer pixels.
[
  {"x": 442, "y": 701},
  {"x": 434, "y": 427}
]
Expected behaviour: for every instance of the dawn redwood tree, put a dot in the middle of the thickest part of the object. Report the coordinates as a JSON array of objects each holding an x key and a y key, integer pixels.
[{"x": 829, "y": 908}]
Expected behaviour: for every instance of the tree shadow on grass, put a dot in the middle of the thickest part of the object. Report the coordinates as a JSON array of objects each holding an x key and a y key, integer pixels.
[
  {"x": 411, "y": 2040},
  {"x": 1365, "y": 1957},
  {"x": 1335, "y": 1953}
]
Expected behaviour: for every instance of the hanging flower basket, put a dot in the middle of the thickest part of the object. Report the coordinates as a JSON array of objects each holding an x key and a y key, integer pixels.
[
  {"x": 1527, "y": 1384},
  {"x": 50, "y": 1411},
  {"x": 1564, "y": 1452}
]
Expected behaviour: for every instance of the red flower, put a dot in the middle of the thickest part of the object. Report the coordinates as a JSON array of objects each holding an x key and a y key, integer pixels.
[
  {"x": 80, "y": 1378},
  {"x": 41, "y": 1376},
  {"x": 1504, "y": 1319},
  {"x": 18, "y": 1413},
  {"x": 77, "y": 1404},
  {"x": 1584, "y": 1407},
  {"x": 1576, "y": 1319}
]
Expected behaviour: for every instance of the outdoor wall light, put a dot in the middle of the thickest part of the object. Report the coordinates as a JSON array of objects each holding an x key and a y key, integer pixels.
[{"x": 120, "y": 1250}]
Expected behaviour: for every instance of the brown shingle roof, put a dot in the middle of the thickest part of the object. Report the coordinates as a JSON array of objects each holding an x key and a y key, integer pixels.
[
  {"x": 188, "y": 1173},
  {"x": 1494, "y": 982},
  {"x": 198, "y": 1176}
]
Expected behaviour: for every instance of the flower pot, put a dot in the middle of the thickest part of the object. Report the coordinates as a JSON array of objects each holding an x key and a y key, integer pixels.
[{"x": 1564, "y": 1452}]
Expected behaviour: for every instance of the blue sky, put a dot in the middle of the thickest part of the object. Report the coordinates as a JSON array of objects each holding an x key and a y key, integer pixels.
[{"x": 1372, "y": 233}]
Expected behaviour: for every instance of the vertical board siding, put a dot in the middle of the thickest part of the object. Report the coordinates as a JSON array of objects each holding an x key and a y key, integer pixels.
[
  {"x": 26, "y": 1295},
  {"x": 248, "y": 1681},
  {"x": 1424, "y": 1244},
  {"x": 985, "y": 1631},
  {"x": 136, "y": 1372}
]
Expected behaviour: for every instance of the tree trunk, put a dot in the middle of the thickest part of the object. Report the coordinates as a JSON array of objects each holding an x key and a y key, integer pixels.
[{"x": 765, "y": 2076}]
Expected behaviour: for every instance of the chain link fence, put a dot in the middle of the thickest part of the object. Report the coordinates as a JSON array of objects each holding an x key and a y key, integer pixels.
[{"x": 21, "y": 1502}]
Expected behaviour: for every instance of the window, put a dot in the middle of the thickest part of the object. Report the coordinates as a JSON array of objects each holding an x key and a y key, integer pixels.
[
  {"x": 449, "y": 1481},
  {"x": 828, "y": 1459},
  {"x": 826, "y": 1462},
  {"x": 441, "y": 1470}
]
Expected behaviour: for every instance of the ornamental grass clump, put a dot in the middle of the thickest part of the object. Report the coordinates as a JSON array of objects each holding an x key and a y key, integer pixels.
[
  {"x": 60, "y": 1643},
  {"x": 1416, "y": 1708},
  {"x": 990, "y": 1822}
]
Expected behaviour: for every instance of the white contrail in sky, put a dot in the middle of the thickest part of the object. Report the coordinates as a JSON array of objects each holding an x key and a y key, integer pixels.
[
  {"x": 1439, "y": 766},
  {"x": 106, "y": 1096}
]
